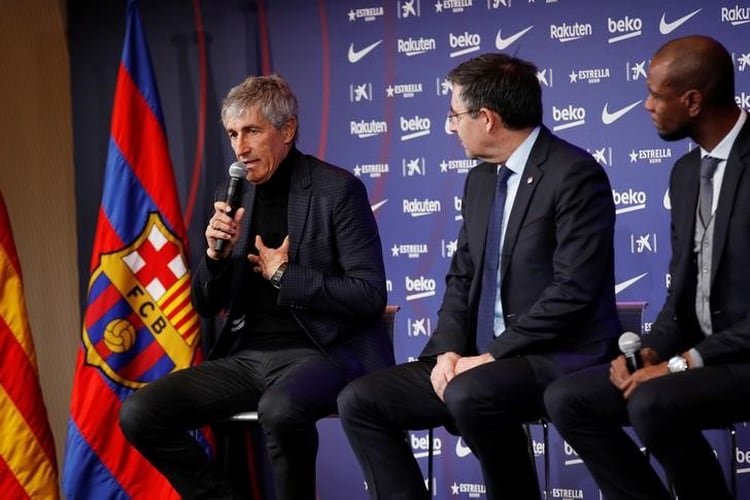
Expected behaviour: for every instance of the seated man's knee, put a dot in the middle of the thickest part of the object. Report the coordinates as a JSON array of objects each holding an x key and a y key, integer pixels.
[
  {"x": 462, "y": 401},
  {"x": 562, "y": 400},
  {"x": 279, "y": 413},
  {"x": 649, "y": 412},
  {"x": 133, "y": 418},
  {"x": 353, "y": 398}
]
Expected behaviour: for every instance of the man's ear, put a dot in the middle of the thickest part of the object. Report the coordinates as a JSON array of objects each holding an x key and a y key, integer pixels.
[
  {"x": 289, "y": 130},
  {"x": 492, "y": 119},
  {"x": 693, "y": 102}
]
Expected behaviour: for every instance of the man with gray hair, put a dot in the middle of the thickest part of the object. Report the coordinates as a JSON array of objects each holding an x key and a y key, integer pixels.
[{"x": 301, "y": 279}]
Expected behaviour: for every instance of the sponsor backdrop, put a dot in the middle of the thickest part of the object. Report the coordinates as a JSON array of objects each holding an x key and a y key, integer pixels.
[{"x": 369, "y": 75}]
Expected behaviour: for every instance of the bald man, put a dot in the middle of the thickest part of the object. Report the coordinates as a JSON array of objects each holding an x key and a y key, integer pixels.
[{"x": 696, "y": 359}]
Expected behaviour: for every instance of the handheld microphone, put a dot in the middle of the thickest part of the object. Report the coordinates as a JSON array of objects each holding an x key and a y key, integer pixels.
[
  {"x": 630, "y": 345},
  {"x": 237, "y": 173}
]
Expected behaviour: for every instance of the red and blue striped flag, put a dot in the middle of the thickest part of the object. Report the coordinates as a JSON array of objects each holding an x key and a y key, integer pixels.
[
  {"x": 28, "y": 468},
  {"x": 139, "y": 323}
]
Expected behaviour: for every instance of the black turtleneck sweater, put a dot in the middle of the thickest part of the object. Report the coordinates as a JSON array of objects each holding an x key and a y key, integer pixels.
[{"x": 270, "y": 326}]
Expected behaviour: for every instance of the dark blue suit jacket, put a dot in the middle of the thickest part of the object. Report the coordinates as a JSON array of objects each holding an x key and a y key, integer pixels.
[
  {"x": 335, "y": 282},
  {"x": 676, "y": 327},
  {"x": 557, "y": 263}
]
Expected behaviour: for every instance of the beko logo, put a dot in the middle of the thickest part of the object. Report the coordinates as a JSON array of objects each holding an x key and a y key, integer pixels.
[
  {"x": 465, "y": 43},
  {"x": 630, "y": 200},
  {"x": 414, "y": 127},
  {"x": 570, "y": 117},
  {"x": 423, "y": 287},
  {"x": 627, "y": 27},
  {"x": 421, "y": 446}
]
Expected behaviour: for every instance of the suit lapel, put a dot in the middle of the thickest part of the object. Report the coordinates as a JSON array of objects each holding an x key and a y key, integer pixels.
[
  {"x": 527, "y": 184},
  {"x": 733, "y": 174},
  {"x": 299, "y": 201},
  {"x": 242, "y": 248}
]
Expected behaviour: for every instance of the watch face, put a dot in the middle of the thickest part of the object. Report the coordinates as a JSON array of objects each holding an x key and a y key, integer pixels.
[{"x": 677, "y": 364}]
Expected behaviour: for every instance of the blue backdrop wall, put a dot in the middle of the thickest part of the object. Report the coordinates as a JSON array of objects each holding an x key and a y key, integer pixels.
[{"x": 369, "y": 75}]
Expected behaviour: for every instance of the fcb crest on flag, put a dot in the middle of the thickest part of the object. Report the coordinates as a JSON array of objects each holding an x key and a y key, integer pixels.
[
  {"x": 138, "y": 326},
  {"x": 139, "y": 323}
]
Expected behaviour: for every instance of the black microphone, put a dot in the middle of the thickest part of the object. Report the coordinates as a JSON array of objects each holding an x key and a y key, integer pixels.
[
  {"x": 630, "y": 345},
  {"x": 237, "y": 173}
]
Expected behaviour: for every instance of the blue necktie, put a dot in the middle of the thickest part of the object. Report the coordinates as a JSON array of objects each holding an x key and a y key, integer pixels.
[
  {"x": 708, "y": 167},
  {"x": 489, "y": 294}
]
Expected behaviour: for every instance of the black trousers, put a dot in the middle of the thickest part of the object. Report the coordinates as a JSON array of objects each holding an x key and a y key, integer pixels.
[
  {"x": 668, "y": 413},
  {"x": 290, "y": 388},
  {"x": 486, "y": 405}
]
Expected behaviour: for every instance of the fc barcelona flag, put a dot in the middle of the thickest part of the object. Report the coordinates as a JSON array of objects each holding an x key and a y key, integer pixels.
[
  {"x": 139, "y": 324},
  {"x": 28, "y": 468}
]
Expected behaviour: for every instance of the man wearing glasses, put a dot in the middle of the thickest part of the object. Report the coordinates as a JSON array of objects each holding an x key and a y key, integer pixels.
[{"x": 539, "y": 305}]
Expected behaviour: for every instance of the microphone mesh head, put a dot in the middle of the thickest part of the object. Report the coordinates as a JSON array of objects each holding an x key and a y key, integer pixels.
[
  {"x": 629, "y": 343},
  {"x": 237, "y": 169}
]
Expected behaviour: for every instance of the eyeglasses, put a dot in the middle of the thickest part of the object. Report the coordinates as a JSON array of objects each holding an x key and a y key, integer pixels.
[{"x": 453, "y": 117}]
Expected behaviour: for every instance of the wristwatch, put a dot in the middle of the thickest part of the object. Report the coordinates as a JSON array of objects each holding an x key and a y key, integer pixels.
[
  {"x": 276, "y": 278},
  {"x": 677, "y": 364}
]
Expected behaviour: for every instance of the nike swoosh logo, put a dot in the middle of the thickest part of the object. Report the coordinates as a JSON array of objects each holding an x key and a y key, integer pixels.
[
  {"x": 619, "y": 287},
  {"x": 609, "y": 118},
  {"x": 461, "y": 449},
  {"x": 503, "y": 43},
  {"x": 356, "y": 55},
  {"x": 666, "y": 28},
  {"x": 378, "y": 205}
]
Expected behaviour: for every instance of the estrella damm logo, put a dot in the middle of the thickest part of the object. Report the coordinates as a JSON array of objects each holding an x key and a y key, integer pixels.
[{"x": 139, "y": 323}]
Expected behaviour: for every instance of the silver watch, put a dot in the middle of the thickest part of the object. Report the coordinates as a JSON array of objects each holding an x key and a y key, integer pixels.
[
  {"x": 677, "y": 364},
  {"x": 276, "y": 278}
]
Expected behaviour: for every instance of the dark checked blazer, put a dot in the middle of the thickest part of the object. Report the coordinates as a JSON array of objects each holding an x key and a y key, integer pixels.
[
  {"x": 557, "y": 262},
  {"x": 335, "y": 282},
  {"x": 676, "y": 328}
]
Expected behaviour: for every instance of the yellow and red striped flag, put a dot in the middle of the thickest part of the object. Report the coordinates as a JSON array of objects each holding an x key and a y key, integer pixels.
[{"x": 28, "y": 468}]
